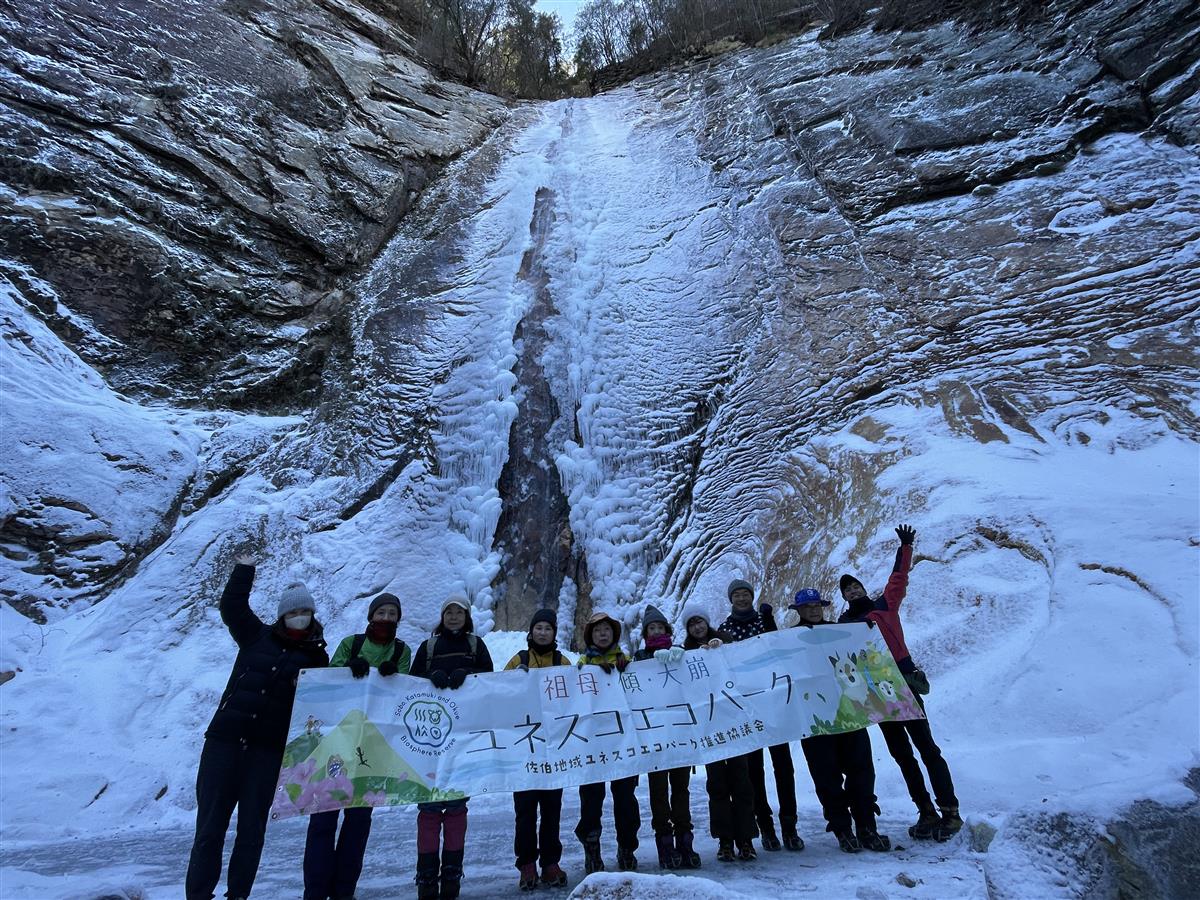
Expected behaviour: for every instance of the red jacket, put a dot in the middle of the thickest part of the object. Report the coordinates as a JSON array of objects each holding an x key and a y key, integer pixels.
[{"x": 886, "y": 611}]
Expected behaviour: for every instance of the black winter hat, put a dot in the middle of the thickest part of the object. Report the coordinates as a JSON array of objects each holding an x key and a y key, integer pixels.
[
  {"x": 848, "y": 580},
  {"x": 549, "y": 616},
  {"x": 383, "y": 600},
  {"x": 654, "y": 614},
  {"x": 739, "y": 585}
]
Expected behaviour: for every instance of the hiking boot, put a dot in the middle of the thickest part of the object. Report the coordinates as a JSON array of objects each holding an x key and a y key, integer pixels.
[
  {"x": 668, "y": 856},
  {"x": 950, "y": 825},
  {"x": 847, "y": 841},
  {"x": 873, "y": 840},
  {"x": 452, "y": 873},
  {"x": 428, "y": 865},
  {"x": 529, "y": 879},
  {"x": 791, "y": 840},
  {"x": 688, "y": 858},
  {"x": 626, "y": 861},
  {"x": 746, "y": 851},
  {"x": 769, "y": 840},
  {"x": 553, "y": 876},
  {"x": 725, "y": 851},
  {"x": 592, "y": 861},
  {"x": 927, "y": 821}
]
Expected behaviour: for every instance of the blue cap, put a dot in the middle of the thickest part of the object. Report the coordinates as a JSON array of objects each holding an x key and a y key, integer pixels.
[{"x": 807, "y": 597}]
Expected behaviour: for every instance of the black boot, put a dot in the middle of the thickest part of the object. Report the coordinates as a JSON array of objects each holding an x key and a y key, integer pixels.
[
  {"x": 668, "y": 857},
  {"x": 746, "y": 851},
  {"x": 927, "y": 821},
  {"x": 452, "y": 873},
  {"x": 769, "y": 839},
  {"x": 688, "y": 857},
  {"x": 949, "y": 826},
  {"x": 592, "y": 861},
  {"x": 791, "y": 840},
  {"x": 847, "y": 841},
  {"x": 873, "y": 840},
  {"x": 428, "y": 865},
  {"x": 725, "y": 851},
  {"x": 626, "y": 861}
]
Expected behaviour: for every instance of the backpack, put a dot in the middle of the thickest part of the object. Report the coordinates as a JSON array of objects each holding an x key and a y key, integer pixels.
[
  {"x": 360, "y": 639},
  {"x": 558, "y": 658}
]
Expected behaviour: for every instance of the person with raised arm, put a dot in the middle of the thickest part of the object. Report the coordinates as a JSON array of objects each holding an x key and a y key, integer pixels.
[
  {"x": 244, "y": 742},
  {"x": 902, "y": 736}
]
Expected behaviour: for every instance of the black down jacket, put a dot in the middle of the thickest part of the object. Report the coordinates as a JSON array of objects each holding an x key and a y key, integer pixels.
[{"x": 257, "y": 704}]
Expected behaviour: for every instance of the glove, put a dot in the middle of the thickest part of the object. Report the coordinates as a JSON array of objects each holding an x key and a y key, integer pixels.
[
  {"x": 388, "y": 667},
  {"x": 358, "y": 667},
  {"x": 791, "y": 618},
  {"x": 765, "y": 610},
  {"x": 907, "y": 534},
  {"x": 522, "y": 668},
  {"x": 621, "y": 664},
  {"x": 663, "y": 656},
  {"x": 605, "y": 667},
  {"x": 870, "y": 623},
  {"x": 440, "y": 679},
  {"x": 714, "y": 643},
  {"x": 675, "y": 654},
  {"x": 457, "y": 677}
]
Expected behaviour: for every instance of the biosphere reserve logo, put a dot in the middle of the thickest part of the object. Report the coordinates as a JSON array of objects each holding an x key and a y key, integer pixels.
[{"x": 428, "y": 723}]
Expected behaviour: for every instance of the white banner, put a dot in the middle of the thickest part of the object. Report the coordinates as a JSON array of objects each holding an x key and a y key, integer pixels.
[{"x": 393, "y": 741}]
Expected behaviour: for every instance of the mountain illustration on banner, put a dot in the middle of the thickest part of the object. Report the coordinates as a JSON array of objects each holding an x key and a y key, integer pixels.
[{"x": 352, "y": 762}]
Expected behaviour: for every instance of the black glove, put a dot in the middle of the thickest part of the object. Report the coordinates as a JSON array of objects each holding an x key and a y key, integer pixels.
[
  {"x": 457, "y": 677},
  {"x": 388, "y": 667},
  {"x": 440, "y": 679},
  {"x": 907, "y": 534},
  {"x": 358, "y": 667},
  {"x": 765, "y": 610},
  {"x": 605, "y": 667},
  {"x": 622, "y": 662},
  {"x": 523, "y": 668}
]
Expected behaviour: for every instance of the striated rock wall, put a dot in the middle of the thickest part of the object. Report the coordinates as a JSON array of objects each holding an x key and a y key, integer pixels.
[{"x": 194, "y": 180}]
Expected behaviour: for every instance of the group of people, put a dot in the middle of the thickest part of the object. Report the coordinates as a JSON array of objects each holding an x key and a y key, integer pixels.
[{"x": 244, "y": 744}]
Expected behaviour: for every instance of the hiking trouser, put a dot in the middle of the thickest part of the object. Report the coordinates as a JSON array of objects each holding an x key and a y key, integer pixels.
[
  {"x": 332, "y": 861},
  {"x": 901, "y": 737},
  {"x": 627, "y": 815},
  {"x": 843, "y": 774},
  {"x": 670, "y": 802},
  {"x": 231, "y": 775},
  {"x": 730, "y": 800},
  {"x": 785, "y": 787},
  {"x": 533, "y": 842}
]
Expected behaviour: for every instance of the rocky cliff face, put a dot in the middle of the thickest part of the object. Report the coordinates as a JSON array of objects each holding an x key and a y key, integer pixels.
[
  {"x": 735, "y": 319},
  {"x": 193, "y": 181}
]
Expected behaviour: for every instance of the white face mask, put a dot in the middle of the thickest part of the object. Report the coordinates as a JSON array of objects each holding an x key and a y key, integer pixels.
[{"x": 298, "y": 621}]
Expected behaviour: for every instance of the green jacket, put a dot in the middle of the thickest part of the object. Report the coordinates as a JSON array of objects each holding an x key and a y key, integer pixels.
[
  {"x": 614, "y": 656},
  {"x": 373, "y": 653}
]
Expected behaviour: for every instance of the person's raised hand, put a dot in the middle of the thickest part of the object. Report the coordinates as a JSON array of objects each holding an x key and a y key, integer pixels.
[{"x": 907, "y": 535}]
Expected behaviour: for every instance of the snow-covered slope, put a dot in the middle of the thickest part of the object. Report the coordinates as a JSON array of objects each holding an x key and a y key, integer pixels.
[{"x": 772, "y": 315}]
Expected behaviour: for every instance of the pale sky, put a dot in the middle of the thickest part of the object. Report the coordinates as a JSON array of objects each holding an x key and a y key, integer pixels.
[{"x": 566, "y": 10}]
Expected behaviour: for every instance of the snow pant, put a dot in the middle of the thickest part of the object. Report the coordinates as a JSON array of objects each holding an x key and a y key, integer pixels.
[
  {"x": 441, "y": 827},
  {"x": 333, "y": 862},
  {"x": 625, "y": 811},
  {"x": 532, "y": 842},
  {"x": 901, "y": 737},
  {"x": 844, "y": 775},
  {"x": 670, "y": 802},
  {"x": 231, "y": 775},
  {"x": 785, "y": 787},
  {"x": 730, "y": 800}
]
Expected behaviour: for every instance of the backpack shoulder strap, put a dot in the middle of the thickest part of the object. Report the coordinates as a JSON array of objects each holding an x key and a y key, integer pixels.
[
  {"x": 558, "y": 659},
  {"x": 523, "y": 656},
  {"x": 473, "y": 643},
  {"x": 357, "y": 645},
  {"x": 398, "y": 650}
]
